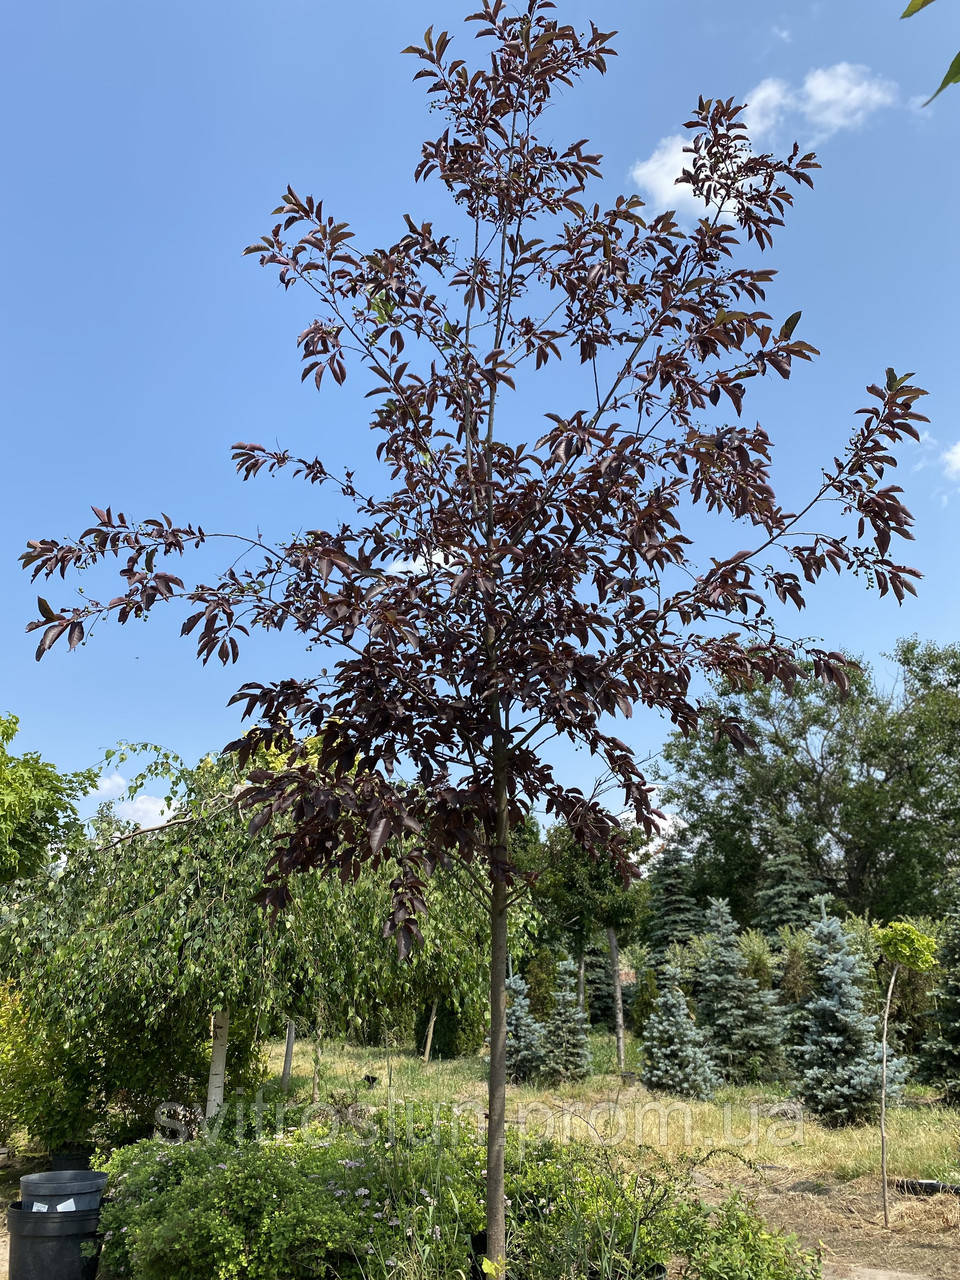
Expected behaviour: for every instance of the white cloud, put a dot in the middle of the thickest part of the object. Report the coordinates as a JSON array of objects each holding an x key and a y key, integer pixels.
[
  {"x": 144, "y": 811},
  {"x": 109, "y": 788},
  {"x": 951, "y": 461},
  {"x": 658, "y": 174},
  {"x": 782, "y": 33},
  {"x": 766, "y": 106},
  {"x": 843, "y": 96}
]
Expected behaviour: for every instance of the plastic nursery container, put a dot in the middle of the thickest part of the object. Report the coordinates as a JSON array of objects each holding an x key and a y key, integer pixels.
[
  {"x": 49, "y": 1246},
  {"x": 66, "y": 1191}
]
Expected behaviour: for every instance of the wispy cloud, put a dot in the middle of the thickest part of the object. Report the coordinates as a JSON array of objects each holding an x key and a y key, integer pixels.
[
  {"x": 843, "y": 96},
  {"x": 951, "y": 461},
  {"x": 110, "y": 787},
  {"x": 143, "y": 811},
  {"x": 657, "y": 177},
  {"x": 782, "y": 33},
  {"x": 830, "y": 99}
]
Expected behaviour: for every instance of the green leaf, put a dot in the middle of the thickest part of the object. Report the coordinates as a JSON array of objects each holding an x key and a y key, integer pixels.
[
  {"x": 914, "y": 7},
  {"x": 952, "y": 77}
]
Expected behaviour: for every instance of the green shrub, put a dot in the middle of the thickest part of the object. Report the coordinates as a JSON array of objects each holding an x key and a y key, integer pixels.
[
  {"x": 406, "y": 1200},
  {"x": 540, "y": 974},
  {"x": 14, "y": 1055},
  {"x": 44, "y": 1091},
  {"x": 457, "y": 1032}
]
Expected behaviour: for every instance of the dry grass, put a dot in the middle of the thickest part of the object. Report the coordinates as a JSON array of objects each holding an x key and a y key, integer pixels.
[{"x": 757, "y": 1125}]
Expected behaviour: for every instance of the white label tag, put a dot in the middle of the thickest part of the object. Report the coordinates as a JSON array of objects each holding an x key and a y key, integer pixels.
[
  {"x": 68, "y": 1206},
  {"x": 38, "y": 1207}
]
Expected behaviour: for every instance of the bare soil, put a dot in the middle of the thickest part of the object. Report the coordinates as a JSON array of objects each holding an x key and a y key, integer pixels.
[{"x": 843, "y": 1222}]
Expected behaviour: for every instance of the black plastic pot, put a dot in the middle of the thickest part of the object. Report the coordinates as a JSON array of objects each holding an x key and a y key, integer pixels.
[
  {"x": 49, "y": 1246},
  {"x": 925, "y": 1187},
  {"x": 73, "y": 1191},
  {"x": 72, "y": 1158}
]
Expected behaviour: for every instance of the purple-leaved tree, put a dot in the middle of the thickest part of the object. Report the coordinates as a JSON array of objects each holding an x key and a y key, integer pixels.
[{"x": 506, "y": 585}]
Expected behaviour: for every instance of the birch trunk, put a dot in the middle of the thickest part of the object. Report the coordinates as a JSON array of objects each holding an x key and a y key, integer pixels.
[
  {"x": 288, "y": 1055},
  {"x": 218, "y": 1062},
  {"x": 582, "y": 981},
  {"x": 430, "y": 1025},
  {"x": 617, "y": 997}
]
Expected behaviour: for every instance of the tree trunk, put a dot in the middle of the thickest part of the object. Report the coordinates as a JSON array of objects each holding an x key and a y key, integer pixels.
[
  {"x": 288, "y": 1055},
  {"x": 883, "y": 1099},
  {"x": 497, "y": 1088},
  {"x": 430, "y": 1025},
  {"x": 218, "y": 1062},
  {"x": 582, "y": 981},
  {"x": 617, "y": 997}
]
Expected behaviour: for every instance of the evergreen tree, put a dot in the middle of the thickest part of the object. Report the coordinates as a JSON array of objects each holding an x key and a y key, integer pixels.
[
  {"x": 943, "y": 1058},
  {"x": 674, "y": 916},
  {"x": 566, "y": 1050},
  {"x": 794, "y": 983},
  {"x": 676, "y": 1057},
  {"x": 787, "y": 884},
  {"x": 599, "y": 982},
  {"x": 741, "y": 1021},
  {"x": 839, "y": 1054},
  {"x": 525, "y": 1035}
]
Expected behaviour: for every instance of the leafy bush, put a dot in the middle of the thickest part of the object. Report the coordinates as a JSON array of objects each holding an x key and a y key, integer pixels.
[
  {"x": 457, "y": 1031},
  {"x": 14, "y": 1053},
  {"x": 44, "y": 1091},
  {"x": 407, "y": 1201}
]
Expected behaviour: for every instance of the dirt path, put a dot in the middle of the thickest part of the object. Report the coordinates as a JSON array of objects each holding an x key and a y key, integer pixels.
[{"x": 843, "y": 1221}]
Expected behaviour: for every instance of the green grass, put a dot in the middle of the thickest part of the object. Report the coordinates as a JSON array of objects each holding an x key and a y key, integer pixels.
[{"x": 924, "y": 1139}]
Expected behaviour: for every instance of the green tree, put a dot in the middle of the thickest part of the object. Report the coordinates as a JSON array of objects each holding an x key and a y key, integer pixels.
[
  {"x": 125, "y": 954},
  {"x": 741, "y": 1021},
  {"x": 38, "y": 815},
  {"x": 566, "y": 1050},
  {"x": 525, "y": 1035},
  {"x": 839, "y": 1058},
  {"x": 905, "y": 948},
  {"x": 942, "y": 1054},
  {"x": 863, "y": 787},
  {"x": 674, "y": 917},
  {"x": 676, "y": 1057},
  {"x": 582, "y": 898},
  {"x": 786, "y": 885}
]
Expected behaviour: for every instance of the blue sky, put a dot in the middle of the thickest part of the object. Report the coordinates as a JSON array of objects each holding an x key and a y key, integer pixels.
[{"x": 147, "y": 144}]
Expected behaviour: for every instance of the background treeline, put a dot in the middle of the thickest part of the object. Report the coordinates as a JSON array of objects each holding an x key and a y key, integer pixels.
[{"x": 119, "y": 950}]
